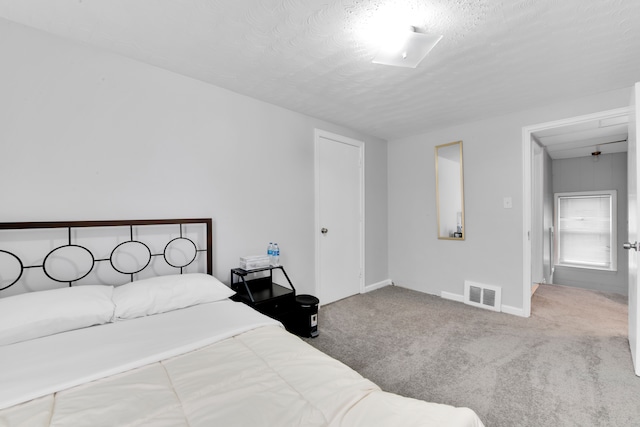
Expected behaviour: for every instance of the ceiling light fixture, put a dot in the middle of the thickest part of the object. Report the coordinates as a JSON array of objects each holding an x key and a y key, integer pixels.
[{"x": 405, "y": 48}]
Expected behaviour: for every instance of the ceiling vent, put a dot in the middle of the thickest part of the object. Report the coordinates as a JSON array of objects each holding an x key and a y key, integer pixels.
[{"x": 483, "y": 296}]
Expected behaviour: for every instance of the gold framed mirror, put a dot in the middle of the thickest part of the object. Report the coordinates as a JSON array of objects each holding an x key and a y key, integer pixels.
[{"x": 450, "y": 191}]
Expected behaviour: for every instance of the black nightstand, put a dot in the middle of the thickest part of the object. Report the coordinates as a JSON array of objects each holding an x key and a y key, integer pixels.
[{"x": 261, "y": 293}]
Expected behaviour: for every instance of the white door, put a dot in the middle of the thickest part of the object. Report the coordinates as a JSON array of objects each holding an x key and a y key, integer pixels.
[
  {"x": 634, "y": 235},
  {"x": 339, "y": 218}
]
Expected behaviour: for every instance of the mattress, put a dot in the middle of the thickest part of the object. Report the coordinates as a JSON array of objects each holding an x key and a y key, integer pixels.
[{"x": 220, "y": 363}]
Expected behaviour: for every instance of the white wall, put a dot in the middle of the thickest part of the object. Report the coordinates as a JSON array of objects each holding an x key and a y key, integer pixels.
[
  {"x": 583, "y": 174},
  {"x": 85, "y": 135},
  {"x": 492, "y": 250}
]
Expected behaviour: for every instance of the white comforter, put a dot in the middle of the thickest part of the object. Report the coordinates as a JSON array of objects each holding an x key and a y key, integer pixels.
[{"x": 251, "y": 374}]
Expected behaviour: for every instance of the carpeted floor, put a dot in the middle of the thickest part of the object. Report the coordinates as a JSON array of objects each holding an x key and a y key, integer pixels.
[{"x": 567, "y": 365}]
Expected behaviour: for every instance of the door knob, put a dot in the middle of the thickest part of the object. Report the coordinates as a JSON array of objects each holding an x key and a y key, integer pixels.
[
  {"x": 323, "y": 230},
  {"x": 628, "y": 245}
]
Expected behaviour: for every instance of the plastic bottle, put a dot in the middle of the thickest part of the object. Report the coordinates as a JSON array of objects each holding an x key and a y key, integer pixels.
[
  {"x": 276, "y": 255},
  {"x": 270, "y": 253}
]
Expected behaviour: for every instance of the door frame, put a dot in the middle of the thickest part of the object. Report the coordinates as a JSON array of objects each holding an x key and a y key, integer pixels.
[
  {"x": 527, "y": 189},
  {"x": 537, "y": 216},
  {"x": 318, "y": 134}
]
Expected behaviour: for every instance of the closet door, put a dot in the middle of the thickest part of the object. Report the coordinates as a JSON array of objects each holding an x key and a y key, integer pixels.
[{"x": 339, "y": 216}]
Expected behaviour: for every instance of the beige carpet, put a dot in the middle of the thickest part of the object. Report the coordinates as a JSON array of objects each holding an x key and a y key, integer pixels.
[{"x": 567, "y": 365}]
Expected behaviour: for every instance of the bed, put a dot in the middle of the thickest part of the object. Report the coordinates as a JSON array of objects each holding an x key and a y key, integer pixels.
[{"x": 167, "y": 350}]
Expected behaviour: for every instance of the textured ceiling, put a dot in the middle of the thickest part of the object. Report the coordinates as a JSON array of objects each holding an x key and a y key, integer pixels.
[{"x": 496, "y": 56}]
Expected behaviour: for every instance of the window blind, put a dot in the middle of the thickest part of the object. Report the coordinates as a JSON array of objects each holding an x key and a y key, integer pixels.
[{"x": 585, "y": 230}]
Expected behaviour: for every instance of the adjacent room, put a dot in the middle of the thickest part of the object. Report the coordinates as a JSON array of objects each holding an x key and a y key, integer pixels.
[{"x": 455, "y": 182}]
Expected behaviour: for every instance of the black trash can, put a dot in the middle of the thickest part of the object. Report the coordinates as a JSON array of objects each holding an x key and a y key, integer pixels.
[{"x": 307, "y": 316}]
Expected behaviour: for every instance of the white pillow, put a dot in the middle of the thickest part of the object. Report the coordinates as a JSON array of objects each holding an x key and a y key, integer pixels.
[
  {"x": 38, "y": 314},
  {"x": 166, "y": 293}
]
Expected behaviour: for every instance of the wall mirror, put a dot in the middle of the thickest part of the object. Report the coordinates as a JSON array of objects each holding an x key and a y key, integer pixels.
[{"x": 450, "y": 191}]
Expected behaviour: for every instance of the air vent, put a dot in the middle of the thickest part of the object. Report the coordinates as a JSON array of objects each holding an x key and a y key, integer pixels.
[
  {"x": 475, "y": 294},
  {"x": 483, "y": 296}
]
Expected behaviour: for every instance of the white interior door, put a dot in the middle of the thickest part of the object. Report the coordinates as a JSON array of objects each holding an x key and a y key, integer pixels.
[
  {"x": 339, "y": 218},
  {"x": 634, "y": 236}
]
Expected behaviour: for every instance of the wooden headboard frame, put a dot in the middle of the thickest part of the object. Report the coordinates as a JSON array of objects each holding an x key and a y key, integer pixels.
[{"x": 118, "y": 223}]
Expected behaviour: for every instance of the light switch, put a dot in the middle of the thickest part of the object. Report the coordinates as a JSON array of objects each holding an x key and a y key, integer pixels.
[{"x": 508, "y": 203}]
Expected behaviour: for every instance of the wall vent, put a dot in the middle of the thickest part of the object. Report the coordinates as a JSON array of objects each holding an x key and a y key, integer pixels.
[{"x": 483, "y": 296}]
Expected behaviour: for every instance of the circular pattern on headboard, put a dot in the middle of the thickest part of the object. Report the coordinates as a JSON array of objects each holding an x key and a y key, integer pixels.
[
  {"x": 180, "y": 252},
  {"x": 130, "y": 257},
  {"x": 58, "y": 266},
  {"x": 14, "y": 268}
]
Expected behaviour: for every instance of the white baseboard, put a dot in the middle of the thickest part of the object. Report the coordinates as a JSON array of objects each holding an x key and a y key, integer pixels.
[
  {"x": 374, "y": 286},
  {"x": 513, "y": 310},
  {"x": 504, "y": 308},
  {"x": 451, "y": 296}
]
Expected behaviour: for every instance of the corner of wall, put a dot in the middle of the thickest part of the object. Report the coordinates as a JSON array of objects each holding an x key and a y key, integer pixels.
[{"x": 378, "y": 285}]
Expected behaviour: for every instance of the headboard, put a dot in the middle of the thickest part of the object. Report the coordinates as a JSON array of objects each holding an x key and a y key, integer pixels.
[{"x": 44, "y": 255}]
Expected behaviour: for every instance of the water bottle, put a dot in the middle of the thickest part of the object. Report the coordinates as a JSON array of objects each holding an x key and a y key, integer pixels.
[
  {"x": 270, "y": 253},
  {"x": 275, "y": 255}
]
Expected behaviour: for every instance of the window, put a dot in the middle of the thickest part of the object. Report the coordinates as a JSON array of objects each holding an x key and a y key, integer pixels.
[{"x": 586, "y": 230}]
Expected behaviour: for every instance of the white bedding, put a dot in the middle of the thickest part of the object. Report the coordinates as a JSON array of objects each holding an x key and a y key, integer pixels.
[
  {"x": 215, "y": 364},
  {"x": 31, "y": 369}
]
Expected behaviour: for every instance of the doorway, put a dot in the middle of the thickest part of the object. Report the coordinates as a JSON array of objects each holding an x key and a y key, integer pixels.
[
  {"x": 573, "y": 137},
  {"x": 339, "y": 224}
]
